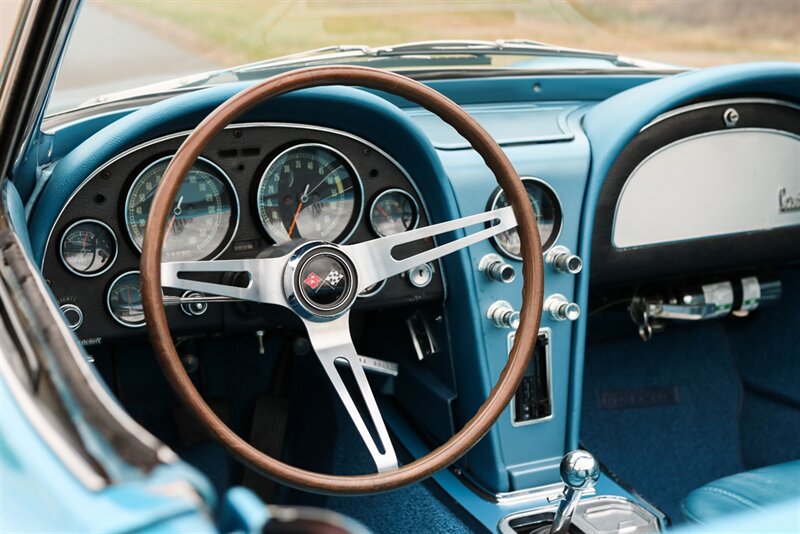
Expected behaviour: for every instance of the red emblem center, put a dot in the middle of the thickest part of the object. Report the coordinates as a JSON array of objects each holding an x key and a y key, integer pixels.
[{"x": 312, "y": 280}]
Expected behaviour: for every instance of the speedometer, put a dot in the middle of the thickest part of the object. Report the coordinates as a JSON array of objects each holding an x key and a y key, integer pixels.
[
  {"x": 309, "y": 191},
  {"x": 545, "y": 205},
  {"x": 204, "y": 215}
]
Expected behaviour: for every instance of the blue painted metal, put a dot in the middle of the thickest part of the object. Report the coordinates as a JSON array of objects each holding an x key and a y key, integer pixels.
[
  {"x": 611, "y": 125},
  {"x": 39, "y": 494},
  {"x": 523, "y": 456}
]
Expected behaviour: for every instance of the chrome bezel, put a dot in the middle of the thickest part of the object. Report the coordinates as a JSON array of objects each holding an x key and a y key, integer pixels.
[
  {"x": 67, "y": 231},
  {"x": 402, "y": 192},
  {"x": 376, "y": 289},
  {"x": 548, "y": 334},
  {"x": 224, "y": 246},
  {"x": 72, "y": 307},
  {"x": 359, "y": 209},
  {"x": 302, "y": 306},
  {"x": 548, "y": 188},
  {"x": 108, "y": 300}
]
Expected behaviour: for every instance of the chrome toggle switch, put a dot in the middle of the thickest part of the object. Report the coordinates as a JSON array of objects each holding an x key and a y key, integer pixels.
[
  {"x": 561, "y": 309},
  {"x": 495, "y": 268},
  {"x": 503, "y": 315},
  {"x": 562, "y": 260}
]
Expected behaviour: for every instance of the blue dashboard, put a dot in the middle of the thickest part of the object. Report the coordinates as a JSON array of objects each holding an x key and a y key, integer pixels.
[{"x": 564, "y": 130}]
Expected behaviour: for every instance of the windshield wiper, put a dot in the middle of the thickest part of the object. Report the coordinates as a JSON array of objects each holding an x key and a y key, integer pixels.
[
  {"x": 452, "y": 53},
  {"x": 518, "y": 47}
]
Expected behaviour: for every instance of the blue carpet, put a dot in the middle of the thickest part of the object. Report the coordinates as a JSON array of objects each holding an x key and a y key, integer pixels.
[
  {"x": 662, "y": 415},
  {"x": 415, "y": 509},
  {"x": 767, "y": 345}
]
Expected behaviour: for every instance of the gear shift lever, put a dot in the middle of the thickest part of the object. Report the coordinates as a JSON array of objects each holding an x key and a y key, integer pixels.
[{"x": 579, "y": 471}]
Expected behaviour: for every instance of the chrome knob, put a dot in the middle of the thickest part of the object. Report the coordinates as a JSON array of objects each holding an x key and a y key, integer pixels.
[
  {"x": 561, "y": 309},
  {"x": 194, "y": 305},
  {"x": 73, "y": 315},
  {"x": 579, "y": 472},
  {"x": 562, "y": 260},
  {"x": 503, "y": 315},
  {"x": 495, "y": 268}
]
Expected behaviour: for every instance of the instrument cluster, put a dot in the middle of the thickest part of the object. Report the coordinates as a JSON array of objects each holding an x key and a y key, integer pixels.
[{"x": 255, "y": 186}]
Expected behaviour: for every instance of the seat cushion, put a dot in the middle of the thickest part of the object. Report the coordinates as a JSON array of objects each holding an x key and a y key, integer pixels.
[{"x": 743, "y": 491}]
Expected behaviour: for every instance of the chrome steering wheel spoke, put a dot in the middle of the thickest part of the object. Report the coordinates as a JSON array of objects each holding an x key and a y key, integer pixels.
[
  {"x": 332, "y": 343},
  {"x": 256, "y": 280},
  {"x": 374, "y": 258}
]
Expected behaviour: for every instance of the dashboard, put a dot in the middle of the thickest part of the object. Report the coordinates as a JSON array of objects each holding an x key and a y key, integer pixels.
[
  {"x": 255, "y": 186},
  {"x": 379, "y": 167}
]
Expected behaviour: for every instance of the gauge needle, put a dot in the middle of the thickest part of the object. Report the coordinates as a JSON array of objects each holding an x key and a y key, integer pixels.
[
  {"x": 175, "y": 213},
  {"x": 297, "y": 211},
  {"x": 386, "y": 215}
]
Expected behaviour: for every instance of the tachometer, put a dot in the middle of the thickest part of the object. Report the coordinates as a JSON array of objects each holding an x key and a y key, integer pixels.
[
  {"x": 310, "y": 191},
  {"x": 88, "y": 247},
  {"x": 548, "y": 217},
  {"x": 204, "y": 216}
]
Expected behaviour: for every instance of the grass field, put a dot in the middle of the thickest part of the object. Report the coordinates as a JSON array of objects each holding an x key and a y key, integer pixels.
[{"x": 691, "y": 32}]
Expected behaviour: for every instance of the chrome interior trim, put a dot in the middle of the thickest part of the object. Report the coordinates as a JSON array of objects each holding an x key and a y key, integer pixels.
[
  {"x": 654, "y": 522},
  {"x": 538, "y": 493},
  {"x": 642, "y": 236},
  {"x": 214, "y": 166},
  {"x": 53, "y": 439},
  {"x": 547, "y": 333},
  {"x": 712, "y": 103},
  {"x": 99, "y": 393}
]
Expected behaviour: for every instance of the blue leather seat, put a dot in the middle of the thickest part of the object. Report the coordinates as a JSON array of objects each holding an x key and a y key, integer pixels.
[{"x": 743, "y": 491}]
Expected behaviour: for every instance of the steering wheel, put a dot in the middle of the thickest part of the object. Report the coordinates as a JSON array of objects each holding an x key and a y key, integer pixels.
[{"x": 277, "y": 277}]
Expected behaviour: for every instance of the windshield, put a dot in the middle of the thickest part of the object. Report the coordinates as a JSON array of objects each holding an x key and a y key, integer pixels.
[{"x": 119, "y": 46}]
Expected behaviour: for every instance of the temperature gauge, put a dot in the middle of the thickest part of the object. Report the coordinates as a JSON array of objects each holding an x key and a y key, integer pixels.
[
  {"x": 88, "y": 248},
  {"x": 124, "y": 300},
  {"x": 392, "y": 212}
]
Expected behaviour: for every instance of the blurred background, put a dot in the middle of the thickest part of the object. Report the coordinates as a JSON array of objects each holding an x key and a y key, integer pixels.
[{"x": 121, "y": 44}]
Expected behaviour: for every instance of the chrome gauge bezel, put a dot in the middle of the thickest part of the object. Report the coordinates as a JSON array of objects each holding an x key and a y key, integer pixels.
[
  {"x": 359, "y": 209},
  {"x": 557, "y": 205},
  {"x": 386, "y": 192},
  {"x": 108, "y": 299},
  {"x": 67, "y": 231},
  {"x": 232, "y": 190}
]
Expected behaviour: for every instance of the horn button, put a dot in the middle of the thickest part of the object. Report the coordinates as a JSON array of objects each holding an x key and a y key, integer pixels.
[{"x": 320, "y": 281}]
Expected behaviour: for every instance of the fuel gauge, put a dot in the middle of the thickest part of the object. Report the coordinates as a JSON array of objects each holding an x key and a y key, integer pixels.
[
  {"x": 392, "y": 212},
  {"x": 88, "y": 248},
  {"x": 124, "y": 300}
]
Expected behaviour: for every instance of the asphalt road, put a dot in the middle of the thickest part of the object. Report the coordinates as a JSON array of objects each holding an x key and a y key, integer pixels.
[{"x": 108, "y": 53}]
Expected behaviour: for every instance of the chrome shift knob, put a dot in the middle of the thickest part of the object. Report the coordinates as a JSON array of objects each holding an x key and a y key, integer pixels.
[{"x": 579, "y": 470}]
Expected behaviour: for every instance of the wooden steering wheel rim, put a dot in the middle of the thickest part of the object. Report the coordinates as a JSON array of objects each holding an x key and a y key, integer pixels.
[{"x": 532, "y": 270}]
